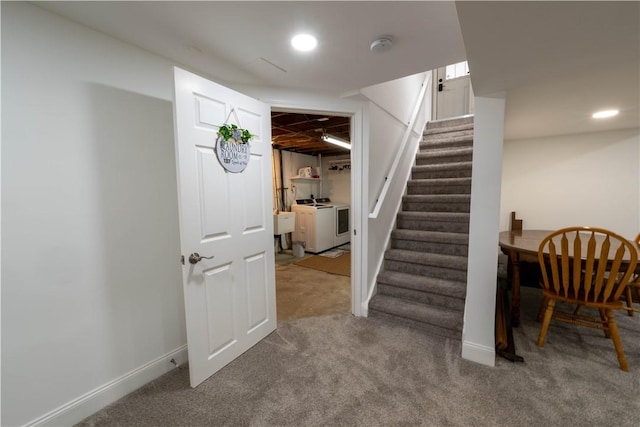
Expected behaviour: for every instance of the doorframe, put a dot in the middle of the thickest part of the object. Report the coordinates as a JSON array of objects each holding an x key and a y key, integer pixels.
[
  {"x": 355, "y": 110},
  {"x": 434, "y": 93}
]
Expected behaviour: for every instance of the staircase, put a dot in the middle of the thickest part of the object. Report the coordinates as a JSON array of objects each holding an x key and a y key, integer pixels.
[{"x": 424, "y": 277}]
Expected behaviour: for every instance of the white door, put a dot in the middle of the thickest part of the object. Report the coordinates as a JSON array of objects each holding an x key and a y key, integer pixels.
[
  {"x": 454, "y": 95},
  {"x": 230, "y": 298}
]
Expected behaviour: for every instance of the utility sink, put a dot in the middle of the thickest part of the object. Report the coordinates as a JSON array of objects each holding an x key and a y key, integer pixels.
[{"x": 284, "y": 222}]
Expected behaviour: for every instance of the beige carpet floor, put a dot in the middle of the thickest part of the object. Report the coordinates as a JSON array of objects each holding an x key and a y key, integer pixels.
[{"x": 341, "y": 370}]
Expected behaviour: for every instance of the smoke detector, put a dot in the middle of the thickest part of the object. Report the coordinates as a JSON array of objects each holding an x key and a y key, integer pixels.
[{"x": 381, "y": 44}]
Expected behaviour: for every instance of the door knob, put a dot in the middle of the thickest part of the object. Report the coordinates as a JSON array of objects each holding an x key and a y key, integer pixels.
[{"x": 195, "y": 257}]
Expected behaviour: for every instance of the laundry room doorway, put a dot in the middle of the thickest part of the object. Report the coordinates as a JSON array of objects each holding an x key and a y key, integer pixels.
[{"x": 312, "y": 216}]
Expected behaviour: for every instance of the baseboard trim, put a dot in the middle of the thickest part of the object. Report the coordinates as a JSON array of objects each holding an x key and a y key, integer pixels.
[
  {"x": 80, "y": 408},
  {"x": 479, "y": 353}
]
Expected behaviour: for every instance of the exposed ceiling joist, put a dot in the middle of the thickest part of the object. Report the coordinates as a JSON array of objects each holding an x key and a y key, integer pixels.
[{"x": 302, "y": 133}]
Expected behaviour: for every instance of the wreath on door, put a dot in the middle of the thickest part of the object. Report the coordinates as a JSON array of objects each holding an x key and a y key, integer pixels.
[{"x": 232, "y": 146}]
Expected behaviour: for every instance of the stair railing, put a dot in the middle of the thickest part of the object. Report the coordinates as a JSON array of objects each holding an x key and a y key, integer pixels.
[{"x": 389, "y": 177}]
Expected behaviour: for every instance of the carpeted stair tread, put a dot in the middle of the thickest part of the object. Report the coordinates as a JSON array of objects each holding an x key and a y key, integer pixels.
[
  {"x": 445, "y": 152},
  {"x": 460, "y": 203},
  {"x": 442, "y": 186},
  {"x": 442, "y": 170},
  {"x": 444, "y": 155},
  {"x": 440, "y": 181},
  {"x": 433, "y": 285},
  {"x": 452, "y": 262},
  {"x": 431, "y": 236},
  {"x": 449, "y": 123},
  {"x": 447, "y": 129},
  {"x": 429, "y": 315},
  {"x": 437, "y": 198},
  {"x": 448, "y": 132},
  {"x": 462, "y": 140},
  {"x": 436, "y": 216},
  {"x": 429, "y": 298}
]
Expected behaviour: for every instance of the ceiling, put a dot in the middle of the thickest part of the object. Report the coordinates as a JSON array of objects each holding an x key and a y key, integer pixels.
[
  {"x": 557, "y": 61},
  {"x": 301, "y": 133},
  {"x": 249, "y": 42}
]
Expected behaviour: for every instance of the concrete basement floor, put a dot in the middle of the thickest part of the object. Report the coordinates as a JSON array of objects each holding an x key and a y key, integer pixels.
[{"x": 304, "y": 292}]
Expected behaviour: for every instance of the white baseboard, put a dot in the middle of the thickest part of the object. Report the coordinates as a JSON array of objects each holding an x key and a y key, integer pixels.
[
  {"x": 80, "y": 408},
  {"x": 479, "y": 353}
]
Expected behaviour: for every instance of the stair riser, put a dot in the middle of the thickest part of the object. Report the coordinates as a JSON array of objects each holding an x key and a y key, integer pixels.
[
  {"x": 445, "y": 226},
  {"x": 430, "y": 247},
  {"x": 425, "y": 146},
  {"x": 426, "y": 327},
  {"x": 452, "y": 137},
  {"x": 426, "y": 159},
  {"x": 445, "y": 173},
  {"x": 451, "y": 129},
  {"x": 436, "y": 134},
  {"x": 452, "y": 123},
  {"x": 435, "y": 188},
  {"x": 435, "y": 207},
  {"x": 426, "y": 270},
  {"x": 442, "y": 301}
]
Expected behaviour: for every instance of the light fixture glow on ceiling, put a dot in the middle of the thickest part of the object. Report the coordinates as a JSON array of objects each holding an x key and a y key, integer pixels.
[
  {"x": 304, "y": 42},
  {"x": 336, "y": 141},
  {"x": 604, "y": 114}
]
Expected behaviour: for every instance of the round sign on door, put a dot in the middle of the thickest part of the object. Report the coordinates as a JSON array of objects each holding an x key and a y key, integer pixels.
[{"x": 232, "y": 148}]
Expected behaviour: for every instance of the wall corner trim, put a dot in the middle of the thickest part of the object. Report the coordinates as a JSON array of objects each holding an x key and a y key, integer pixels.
[
  {"x": 478, "y": 353},
  {"x": 89, "y": 403}
]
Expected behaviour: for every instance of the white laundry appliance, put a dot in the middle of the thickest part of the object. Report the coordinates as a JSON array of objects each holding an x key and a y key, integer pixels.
[
  {"x": 321, "y": 224},
  {"x": 342, "y": 214},
  {"x": 314, "y": 225}
]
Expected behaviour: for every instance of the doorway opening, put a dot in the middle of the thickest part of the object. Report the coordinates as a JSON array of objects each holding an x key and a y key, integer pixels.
[
  {"x": 312, "y": 198},
  {"x": 453, "y": 94}
]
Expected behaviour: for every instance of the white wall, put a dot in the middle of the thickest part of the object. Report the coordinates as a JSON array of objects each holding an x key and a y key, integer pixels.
[
  {"x": 336, "y": 184},
  {"x": 391, "y": 106},
  {"x": 92, "y": 303},
  {"x": 584, "y": 179},
  {"x": 300, "y": 189},
  {"x": 478, "y": 340},
  {"x": 89, "y": 199}
]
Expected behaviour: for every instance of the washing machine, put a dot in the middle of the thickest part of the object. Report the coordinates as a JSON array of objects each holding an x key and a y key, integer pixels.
[{"x": 314, "y": 224}]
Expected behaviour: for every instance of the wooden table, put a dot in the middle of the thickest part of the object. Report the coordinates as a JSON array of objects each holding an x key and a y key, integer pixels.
[{"x": 515, "y": 244}]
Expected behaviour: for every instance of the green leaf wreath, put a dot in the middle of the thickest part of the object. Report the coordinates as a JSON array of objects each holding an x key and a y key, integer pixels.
[{"x": 239, "y": 135}]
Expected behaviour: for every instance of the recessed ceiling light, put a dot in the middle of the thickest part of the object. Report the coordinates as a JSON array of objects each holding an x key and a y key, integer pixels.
[
  {"x": 304, "y": 42},
  {"x": 604, "y": 114}
]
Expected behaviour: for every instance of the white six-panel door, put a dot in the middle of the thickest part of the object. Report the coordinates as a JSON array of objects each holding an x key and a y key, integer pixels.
[{"x": 229, "y": 299}]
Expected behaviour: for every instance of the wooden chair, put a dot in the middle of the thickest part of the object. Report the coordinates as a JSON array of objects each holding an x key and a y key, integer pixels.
[
  {"x": 515, "y": 224},
  {"x": 588, "y": 267},
  {"x": 634, "y": 287},
  {"x": 529, "y": 270}
]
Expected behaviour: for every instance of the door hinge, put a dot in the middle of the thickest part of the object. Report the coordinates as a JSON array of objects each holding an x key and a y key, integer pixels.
[
  {"x": 182, "y": 259},
  {"x": 354, "y": 232}
]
